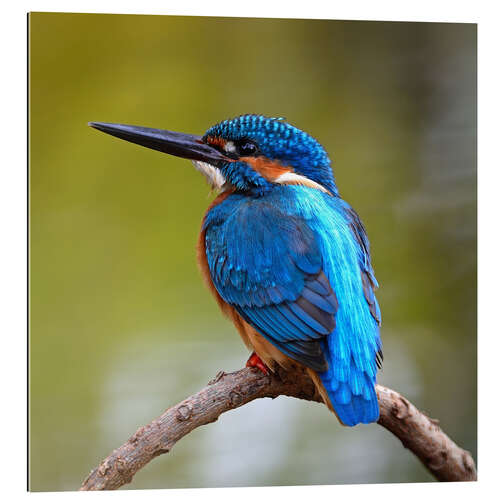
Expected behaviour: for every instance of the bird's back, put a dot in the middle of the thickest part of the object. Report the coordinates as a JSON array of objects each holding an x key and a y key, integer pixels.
[{"x": 266, "y": 257}]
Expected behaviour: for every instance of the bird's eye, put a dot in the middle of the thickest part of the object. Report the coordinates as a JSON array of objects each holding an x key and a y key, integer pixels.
[{"x": 247, "y": 148}]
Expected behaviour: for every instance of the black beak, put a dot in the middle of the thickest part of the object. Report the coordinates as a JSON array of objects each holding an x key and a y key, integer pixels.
[{"x": 186, "y": 146}]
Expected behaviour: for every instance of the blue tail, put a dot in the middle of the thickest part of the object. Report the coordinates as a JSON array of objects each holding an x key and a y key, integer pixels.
[{"x": 352, "y": 393}]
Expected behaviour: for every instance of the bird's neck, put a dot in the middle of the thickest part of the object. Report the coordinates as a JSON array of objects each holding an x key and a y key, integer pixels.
[{"x": 243, "y": 178}]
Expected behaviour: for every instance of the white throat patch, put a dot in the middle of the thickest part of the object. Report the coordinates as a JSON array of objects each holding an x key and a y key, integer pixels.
[{"x": 212, "y": 174}]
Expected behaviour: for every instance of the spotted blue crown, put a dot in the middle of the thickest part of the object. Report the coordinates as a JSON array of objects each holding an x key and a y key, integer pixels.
[{"x": 282, "y": 142}]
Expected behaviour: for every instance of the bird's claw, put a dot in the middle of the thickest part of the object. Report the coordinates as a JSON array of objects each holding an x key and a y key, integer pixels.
[{"x": 255, "y": 362}]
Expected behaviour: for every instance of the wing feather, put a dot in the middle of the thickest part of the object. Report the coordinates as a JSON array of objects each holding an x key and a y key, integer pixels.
[{"x": 269, "y": 267}]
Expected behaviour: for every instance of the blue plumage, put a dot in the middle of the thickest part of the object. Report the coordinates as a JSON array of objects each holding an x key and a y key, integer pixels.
[
  {"x": 287, "y": 259},
  {"x": 274, "y": 246}
]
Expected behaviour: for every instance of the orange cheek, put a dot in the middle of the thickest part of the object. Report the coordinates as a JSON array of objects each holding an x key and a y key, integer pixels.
[{"x": 269, "y": 169}]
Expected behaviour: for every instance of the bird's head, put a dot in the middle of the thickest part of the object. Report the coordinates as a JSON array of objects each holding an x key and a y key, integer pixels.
[{"x": 250, "y": 153}]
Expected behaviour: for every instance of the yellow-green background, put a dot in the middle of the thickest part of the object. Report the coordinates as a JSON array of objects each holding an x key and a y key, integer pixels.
[{"x": 121, "y": 324}]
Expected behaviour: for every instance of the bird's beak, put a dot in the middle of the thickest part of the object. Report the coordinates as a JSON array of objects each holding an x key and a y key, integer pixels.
[{"x": 186, "y": 146}]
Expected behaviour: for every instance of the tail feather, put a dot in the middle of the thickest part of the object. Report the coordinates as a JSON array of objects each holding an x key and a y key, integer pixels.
[{"x": 354, "y": 401}]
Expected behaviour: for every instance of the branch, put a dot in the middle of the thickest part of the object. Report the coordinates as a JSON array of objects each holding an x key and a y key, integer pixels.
[{"x": 417, "y": 432}]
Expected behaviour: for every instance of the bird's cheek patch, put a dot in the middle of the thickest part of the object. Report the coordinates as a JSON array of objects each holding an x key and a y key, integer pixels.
[
  {"x": 268, "y": 169},
  {"x": 274, "y": 171}
]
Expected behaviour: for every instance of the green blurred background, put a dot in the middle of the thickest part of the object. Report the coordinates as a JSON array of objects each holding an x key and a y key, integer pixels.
[{"x": 121, "y": 324}]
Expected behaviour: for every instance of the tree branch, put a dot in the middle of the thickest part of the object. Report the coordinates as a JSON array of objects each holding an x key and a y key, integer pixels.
[{"x": 417, "y": 432}]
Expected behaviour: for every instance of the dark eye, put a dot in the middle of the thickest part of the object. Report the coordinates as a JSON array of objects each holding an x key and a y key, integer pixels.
[{"x": 247, "y": 148}]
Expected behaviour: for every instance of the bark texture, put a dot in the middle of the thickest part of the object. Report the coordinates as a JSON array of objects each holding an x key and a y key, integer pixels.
[{"x": 417, "y": 432}]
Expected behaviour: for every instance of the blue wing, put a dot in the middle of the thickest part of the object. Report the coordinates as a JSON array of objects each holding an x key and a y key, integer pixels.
[
  {"x": 269, "y": 267},
  {"x": 282, "y": 263},
  {"x": 354, "y": 348},
  {"x": 368, "y": 279}
]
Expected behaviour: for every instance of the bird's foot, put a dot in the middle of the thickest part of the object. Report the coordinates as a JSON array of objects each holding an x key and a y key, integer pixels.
[{"x": 255, "y": 362}]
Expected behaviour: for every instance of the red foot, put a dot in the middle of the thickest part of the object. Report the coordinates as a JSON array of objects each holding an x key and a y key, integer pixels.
[{"x": 255, "y": 362}]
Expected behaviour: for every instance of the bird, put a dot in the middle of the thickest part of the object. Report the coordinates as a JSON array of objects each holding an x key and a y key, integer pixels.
[{"x": 286, "y": 258}]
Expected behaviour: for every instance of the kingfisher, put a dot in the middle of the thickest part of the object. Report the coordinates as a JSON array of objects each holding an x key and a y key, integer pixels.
[{"x": 286, "y": 258}]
